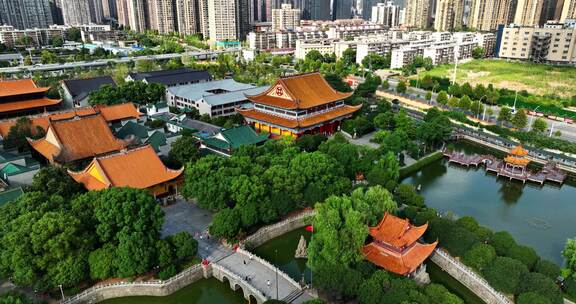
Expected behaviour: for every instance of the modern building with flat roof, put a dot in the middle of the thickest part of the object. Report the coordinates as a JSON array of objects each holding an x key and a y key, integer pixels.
[{"x": 214, "y": 98}]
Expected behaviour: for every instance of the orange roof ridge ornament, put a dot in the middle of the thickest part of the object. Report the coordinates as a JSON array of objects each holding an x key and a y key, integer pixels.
[{"x": 519, "y": 151}]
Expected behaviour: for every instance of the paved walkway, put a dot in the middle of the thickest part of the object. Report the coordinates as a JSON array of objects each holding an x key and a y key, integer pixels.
[{"x": 184, "y": 216}]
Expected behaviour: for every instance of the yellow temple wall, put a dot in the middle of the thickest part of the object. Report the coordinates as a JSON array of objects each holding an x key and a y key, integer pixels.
[{"x": 273, "y": 130}]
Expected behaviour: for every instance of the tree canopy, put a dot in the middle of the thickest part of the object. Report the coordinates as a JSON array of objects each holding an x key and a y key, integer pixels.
[{"x": 133, "y": 91}]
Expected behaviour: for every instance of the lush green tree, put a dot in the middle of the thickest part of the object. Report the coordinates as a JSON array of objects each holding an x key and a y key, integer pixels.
[
  {"x": 505, "y": 274},
  {"x": 226, "y": 224},
  {"x": 385, "y": 84},
  {"x": 310, "y": 143},
  {"x": 520, "y": 119},
  {"x": 428, "y": 96},
  {"x": 454, "y": 90},
  {"x": 339, "y": 233},
  {"x": 479, "y": 256},
  {"x": 185, "y": 246},
  {"x": 374, "y": 289},
  {"x": 502, "y": 241},
  {"x": 401, "y": 87},
  {"x": 336, "y": 83},
  {"x": 207, "y": 181},
  {"x": 541, "y": 284},
  {"x": 539, "y": 125},
  {"x": 101, "y": 262},
  {"x": 458, "y": 240},
  {"x": 524, "y": 254},
  {"x": 338, "y": 280},
  {"x": 505, "y": 115},
  {"x": 17, "y": 135},
  {"x": 476, "y": 107},
  {"x": 374, "y": 61},
  {"x": 453, "y": 102},
  {"x": 569, "y": 254},
  {"x": 47, "y": 57},
  {"x": 74, "y": 34},
  {"x": 478, "y": 52},
  {"x": 532, "y": 298},
  {"x": 384, "y": 121},
  {"x": 492, "y": 97},
  {"x": 373, "y": 203},
  {"x": 406, "y": 194},
  {"x": 438, "y": 294},
  {"x": 386, "y": 172},
  {"x": 442, "y": 98},
  {"x": 56, "y": 41},
  {"x": 547, "y": 268},
  {"x": 435, "y": 130},
  {"x": 184, "y": 149},
  {"x": 464, "y": 103},
  {"x": 349, "y": 56},
  {"x": 57, "y": 181}
]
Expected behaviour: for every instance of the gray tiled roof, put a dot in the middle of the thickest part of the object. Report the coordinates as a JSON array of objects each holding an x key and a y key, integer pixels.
[{"x": 236, "y": 91}]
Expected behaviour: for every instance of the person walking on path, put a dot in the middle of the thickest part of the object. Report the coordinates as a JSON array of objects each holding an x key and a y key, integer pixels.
[{"x": 268, "y": 283}]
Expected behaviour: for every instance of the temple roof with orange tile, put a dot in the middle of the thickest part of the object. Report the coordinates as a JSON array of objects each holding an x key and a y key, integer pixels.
[
  {"x": 397, "y": 232},
  {"x": 138, "y": 168},
  {"x": 19, "y": 87},
  {"x": 119, "y": 111},
  {"x": 299, "y": 92},
  {"x": 7, "y": 107},
  {"x": 519, "y": 151},
  {"x": 299, "y": 123},
  {"x": 42, "y": 120},
  {"x": 78, "y": 138},
  {"x": 401, "y": 263},
  {"x": 517, "y": 161}
]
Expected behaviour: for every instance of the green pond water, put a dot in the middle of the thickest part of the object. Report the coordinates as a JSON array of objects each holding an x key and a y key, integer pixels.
[
  {"x": 208, "y": 291},
  {"x": 541, "y": 217}
]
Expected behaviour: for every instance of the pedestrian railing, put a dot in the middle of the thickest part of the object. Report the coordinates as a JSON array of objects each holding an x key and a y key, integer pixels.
[
  {"x": 474, "y": 276},
  {"x": 262, "y": 261},
  {"x": 264, "y": 230},
  {"x": 158, "y": 283}
]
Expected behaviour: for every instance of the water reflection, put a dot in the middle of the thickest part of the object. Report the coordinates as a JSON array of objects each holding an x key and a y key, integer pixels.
[{"x": 510, "y": 191}]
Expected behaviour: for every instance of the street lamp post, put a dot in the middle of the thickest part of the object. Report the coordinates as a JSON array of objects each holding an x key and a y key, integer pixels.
[
  {"x": 480, "y": 104},
  {"x": 277, "y": 298},
  {"x": 532, "y": 119},
  {"x": 62, "y": 292}
]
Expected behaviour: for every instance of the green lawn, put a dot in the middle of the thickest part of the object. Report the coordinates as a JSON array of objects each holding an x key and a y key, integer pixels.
[{"x": 537, "y": 79}]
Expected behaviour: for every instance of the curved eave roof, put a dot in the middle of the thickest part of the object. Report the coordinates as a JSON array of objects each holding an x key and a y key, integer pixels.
[{"x": 299, "y": 123}]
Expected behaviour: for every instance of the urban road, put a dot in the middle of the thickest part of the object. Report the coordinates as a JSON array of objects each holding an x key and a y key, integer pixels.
[
  {"x": 185, "y": 216},
  {"x": 104, "y": 62}
]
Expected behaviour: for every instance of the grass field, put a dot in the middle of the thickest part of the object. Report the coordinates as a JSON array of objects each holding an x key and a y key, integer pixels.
[{"x": 537, "y": 79}]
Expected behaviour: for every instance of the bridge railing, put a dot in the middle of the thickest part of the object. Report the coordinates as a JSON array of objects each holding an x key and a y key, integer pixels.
[
  {"x": 270, "y": 266},
  {"x": 264, "y": 230},
  {"x": 478, "y": 279},
  {"x": 158, "y": 283},
  {"x": 234, "y": 276}
]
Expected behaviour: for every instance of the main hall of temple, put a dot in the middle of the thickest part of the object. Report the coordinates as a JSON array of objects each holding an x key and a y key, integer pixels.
[
  {"x": 18, "y": 97},
  {"x": 298, "y": 105},
  {"x": 395, "y": 246}
]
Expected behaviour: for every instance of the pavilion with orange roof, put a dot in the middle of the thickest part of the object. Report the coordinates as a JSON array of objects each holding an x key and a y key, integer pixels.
[
  {"x": 298, "y": 105},
  {"x": 516, "y": 160},
  {"x": 23, "y": 96},
  {"x": 139, "y": 168},
  {"x": 395, "y": 245}
]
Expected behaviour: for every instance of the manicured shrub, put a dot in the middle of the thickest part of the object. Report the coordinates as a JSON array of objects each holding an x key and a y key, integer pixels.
[
  {"x": 502, "y": 241},
  {"x": 479, "y": 256},
  {"x": 505, "y": 274}
]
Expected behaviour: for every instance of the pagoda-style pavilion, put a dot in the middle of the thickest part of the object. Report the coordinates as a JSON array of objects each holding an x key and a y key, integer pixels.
[
  {"x": 139, "y": 168},
  {"x": 297, "y": 105},
  {"x": 516, "y": 162},
  {"x": 395, "y": 246},
  {"x": 23, "y": 96}
]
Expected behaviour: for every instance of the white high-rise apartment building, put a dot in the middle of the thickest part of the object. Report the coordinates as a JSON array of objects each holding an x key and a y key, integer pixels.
[
  {"x": 387, "y": 14},
  {"x": 449, "y": 15},
  {"x": 528, "y": 12},
  {"x": 285, "y": 18},
  {"x": 222, "y": 20}
]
